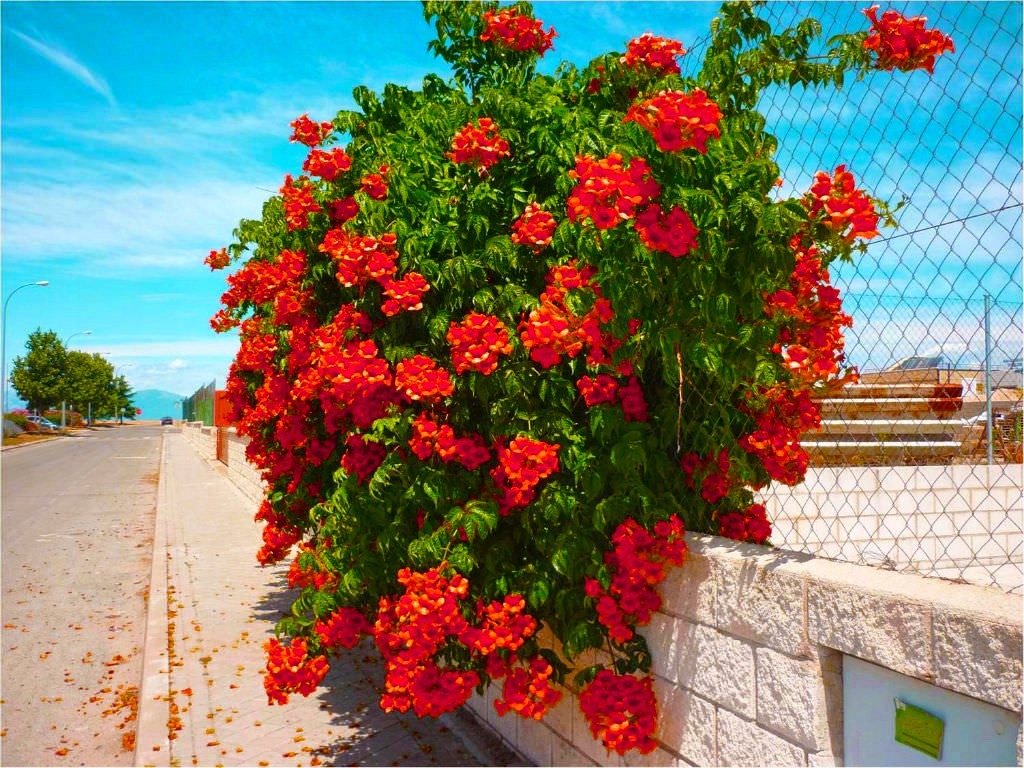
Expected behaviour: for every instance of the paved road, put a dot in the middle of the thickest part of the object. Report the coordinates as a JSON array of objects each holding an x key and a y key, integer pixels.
[{"x": 77, "y": 542}]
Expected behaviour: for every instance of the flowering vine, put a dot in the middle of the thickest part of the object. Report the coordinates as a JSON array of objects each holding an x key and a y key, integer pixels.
[
  {"x": 505, "y": 346},
  {"x": 904, "y": 43}
]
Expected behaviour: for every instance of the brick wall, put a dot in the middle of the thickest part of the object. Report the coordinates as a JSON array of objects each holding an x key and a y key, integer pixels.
[{"x": 747, "y": 650}]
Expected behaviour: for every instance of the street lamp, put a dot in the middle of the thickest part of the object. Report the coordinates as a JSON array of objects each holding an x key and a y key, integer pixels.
[
  {"x": 63, "y": 402},
  {"x": 3, "y": 350}
]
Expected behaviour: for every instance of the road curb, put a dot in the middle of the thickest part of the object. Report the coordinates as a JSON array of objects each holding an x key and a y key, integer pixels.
[
  {"x": 152, "y": 746},
  {"x": 34, "y": 442}
]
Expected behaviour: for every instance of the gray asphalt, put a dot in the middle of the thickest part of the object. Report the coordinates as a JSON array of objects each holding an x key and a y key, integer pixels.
[{"x": 77, "y": 542}]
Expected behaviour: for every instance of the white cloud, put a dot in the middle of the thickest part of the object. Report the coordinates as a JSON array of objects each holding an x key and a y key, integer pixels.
[
  {"x": 153, "y": 192},
  {"x": 179, "y": 351},
  {"x": 181, "y": 366},
  {"x": 69, "y": 64},
  {"x": 168, "y": 227}
]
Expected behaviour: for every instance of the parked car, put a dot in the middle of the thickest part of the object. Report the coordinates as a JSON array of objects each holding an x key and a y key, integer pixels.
[
  {"x": 42, "y": 424},
  {"x": 166, "y": 420}
]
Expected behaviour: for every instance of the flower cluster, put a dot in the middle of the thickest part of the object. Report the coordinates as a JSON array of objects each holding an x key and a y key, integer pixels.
[
  {"x": 903, "y": 43},
  {"x": 607, "y": 192},
  {"x": 361, "y": 259},
  {"x": 477, "y": 342},
  {"x": 503, "y": 626},
  {"x": 517, "y": 32},
  {"x": 811, "y": 341},
  {"x": 553, "y": 330},
  {"x": 327, "y": 165},
  {"x": 637, "y": 565},
  {"x": 343, "y": 629},
  {"x": 362, "y": 456},
  {"x": 309, "y": 132},
  {"x": 404, "y": 294},
  {"x": 621, "y": 711},
  {"x": 412, "y": 629},
  {"x": 279, "y": 535},
  {"x": 409, "y": 631},
  {"x": 750, "y": 524},
  {"x": 652, "y": 53},
  {"x": 598, "y": 390},
  {"x": 375, "y": 185},
  {"x": 522, "y": 465},
  {"x": 298, "y": 202},
  {"x": 674, "y": 232},
  {"x": 479, "y": 145},
  {"x": 342, "y": 210},
  {"x": 716, "y": 482},
  {"x": 291, "y": 670},
  {"x": 678, "y": 120},
  {"x": 218, "y": 259},
  {"x": 421, "y": 379},
  {"x": 785, "y": 415},
  {"x": 528, "y": 689},
  {"x": 848, "y": 211},
  {"x": 469, "y": 450},
  {"x": 534, "y": 228},
  {"x": 430, "y": 438},
  {"x": 604, "y": 389},
  {"x": 631, "y": 397}
]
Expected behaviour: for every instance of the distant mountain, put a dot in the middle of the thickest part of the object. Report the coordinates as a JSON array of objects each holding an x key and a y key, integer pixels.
[{"x": 156, "y": 403}]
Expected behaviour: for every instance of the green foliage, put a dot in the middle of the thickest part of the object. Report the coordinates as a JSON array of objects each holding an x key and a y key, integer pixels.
[
  {"x": 49, "y": 373},
  {"x": 38, "y": 376},
  {"x": 692, "y": 329}
]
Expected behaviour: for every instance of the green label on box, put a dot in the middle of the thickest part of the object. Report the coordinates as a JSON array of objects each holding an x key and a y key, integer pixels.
[{"x": 918, "y": 729}]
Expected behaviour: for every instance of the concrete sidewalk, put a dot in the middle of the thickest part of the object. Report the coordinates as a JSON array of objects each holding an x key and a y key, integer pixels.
[{"x": 211, "y": 608}]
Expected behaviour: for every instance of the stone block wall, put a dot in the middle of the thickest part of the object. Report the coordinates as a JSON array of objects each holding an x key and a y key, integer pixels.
[
  {"x": 747, "y": 657},
  {"x": 240, "y": 472},
  {"x": 747, "y": 650},
  {"x": 202, "y": 438}
]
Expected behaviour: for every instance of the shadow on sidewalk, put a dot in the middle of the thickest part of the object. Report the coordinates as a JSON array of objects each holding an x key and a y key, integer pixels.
[{"x": 366, "y": 735}]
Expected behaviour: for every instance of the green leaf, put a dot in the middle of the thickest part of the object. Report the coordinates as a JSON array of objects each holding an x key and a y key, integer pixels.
[
  {"x": 586, "y": 676},
  {"x": 538, "y": 593}
]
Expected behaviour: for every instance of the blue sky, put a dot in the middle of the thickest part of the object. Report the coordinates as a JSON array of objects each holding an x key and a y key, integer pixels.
[{"x": 135, "y": 136}]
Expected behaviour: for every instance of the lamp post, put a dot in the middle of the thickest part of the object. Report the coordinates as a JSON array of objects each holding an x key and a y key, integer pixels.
[
  {"x": 3, "y": 349},
  {"x": 63, "y": 401}
]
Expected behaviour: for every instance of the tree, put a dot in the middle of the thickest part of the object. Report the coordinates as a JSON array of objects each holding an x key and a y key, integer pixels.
[
  {"x": 121, "y": 395},
  {"x": 89, "y": 382},
  {"x": 39, "y": 376}
]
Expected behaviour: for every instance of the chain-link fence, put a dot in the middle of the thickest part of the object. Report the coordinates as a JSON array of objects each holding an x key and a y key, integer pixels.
[
  {"x": 201, "y": 404},
  {"x": 918, "y": 467}
]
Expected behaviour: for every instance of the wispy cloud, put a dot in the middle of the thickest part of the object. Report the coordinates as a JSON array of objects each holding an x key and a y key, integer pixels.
[
  {"x": 131, "y": 226},
  {"x": 154, "y": 192},
  {"x": 184, "y": 350},
  {"x": 69, "y": 64}
]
